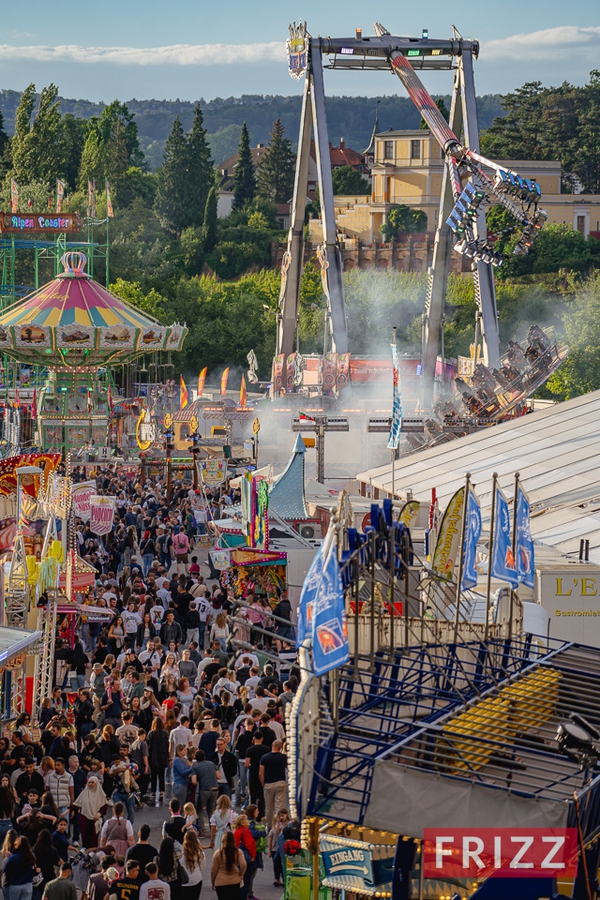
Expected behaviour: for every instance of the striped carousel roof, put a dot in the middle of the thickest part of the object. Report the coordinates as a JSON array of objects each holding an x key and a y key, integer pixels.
[
  {"x": 74, "y": 321},
  {"x": 74, "y": 298}
]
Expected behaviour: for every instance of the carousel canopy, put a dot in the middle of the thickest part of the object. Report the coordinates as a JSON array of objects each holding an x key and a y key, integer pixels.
[{"x": 74, "y": 321}]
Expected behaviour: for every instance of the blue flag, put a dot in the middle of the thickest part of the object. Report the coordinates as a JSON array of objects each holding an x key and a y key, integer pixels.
[
  {"x": 330, "y": 631},
  {"x": 471, "y": 537},
  {"x": 525, "y": 552},
  {"x": 307, "y": 598},
  {"x": 396, "y": 425},
  {"x": 503, "y": 560}
]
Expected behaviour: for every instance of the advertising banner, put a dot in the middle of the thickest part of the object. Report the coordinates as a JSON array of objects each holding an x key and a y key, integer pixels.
[
  {"x": 213, "y": 471},
  {"x": 446, "y": 548},
  {"x": 503, "y": 560},
  {"x": 82, "y": 494},
  {"x": 102, "y": 510},
  {"x": 472, "y": 535}
]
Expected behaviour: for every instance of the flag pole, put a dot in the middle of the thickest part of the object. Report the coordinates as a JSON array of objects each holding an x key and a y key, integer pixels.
[
  {"x": 462, "y": 547},
  {"x": 514, "y": 550},
  {"x": 393, "y": 450},
  {"x": 490, "y": 552}
]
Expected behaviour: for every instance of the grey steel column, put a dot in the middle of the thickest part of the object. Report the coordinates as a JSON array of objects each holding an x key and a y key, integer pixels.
[
  {"x": 440, "y": 267},
  {"x": 333, "y": 281},
  {"x": 293, "y": 262},
  {"x": 485, "y": 292}
]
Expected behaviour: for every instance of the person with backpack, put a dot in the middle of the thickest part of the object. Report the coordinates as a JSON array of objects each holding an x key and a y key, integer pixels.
[
  {"x": 181, "y": 544},
  {"x": 148, "y": 551},
  {"x": 165, "y": 545},
  {"x": 118, "y": 832}
]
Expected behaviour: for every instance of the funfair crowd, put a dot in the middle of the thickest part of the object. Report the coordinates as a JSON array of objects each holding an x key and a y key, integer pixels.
[{"x": 182, "y": 690}]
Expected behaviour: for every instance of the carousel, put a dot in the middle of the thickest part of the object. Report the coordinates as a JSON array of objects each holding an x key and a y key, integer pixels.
[{"x": 79, "y": 331}]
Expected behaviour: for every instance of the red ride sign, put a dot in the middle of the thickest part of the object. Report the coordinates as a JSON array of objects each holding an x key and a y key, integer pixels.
[{"x": 501, "y": 852}]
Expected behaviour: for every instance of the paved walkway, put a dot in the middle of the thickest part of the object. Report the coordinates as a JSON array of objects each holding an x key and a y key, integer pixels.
[{"x": 263, "y": 883}]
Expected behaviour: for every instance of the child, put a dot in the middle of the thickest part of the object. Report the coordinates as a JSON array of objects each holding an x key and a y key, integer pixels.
[
  {"x": 60, "y": 840},
  {"x": 194, "y": 567},
  {"x": 275, "y": 843},
  {"x": 191, "y": 818}
]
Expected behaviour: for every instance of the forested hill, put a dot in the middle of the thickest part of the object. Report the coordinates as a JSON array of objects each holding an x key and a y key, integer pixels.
[{"x": 351, "y": 118}]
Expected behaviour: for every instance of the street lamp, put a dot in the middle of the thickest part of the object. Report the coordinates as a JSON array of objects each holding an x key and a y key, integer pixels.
[{"x": 194, "y": 449}]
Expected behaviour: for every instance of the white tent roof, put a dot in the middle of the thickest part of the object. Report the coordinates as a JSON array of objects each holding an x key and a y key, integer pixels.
[{"x": 557, "y": 453}]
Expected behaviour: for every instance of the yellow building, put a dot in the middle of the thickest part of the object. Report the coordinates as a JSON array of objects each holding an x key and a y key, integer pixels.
[{"x": 408, "y": 167}]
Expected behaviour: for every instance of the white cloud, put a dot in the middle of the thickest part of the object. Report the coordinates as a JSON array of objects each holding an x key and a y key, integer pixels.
[
  {"x": 549, "y": 44},
  {"x": 174, "y": 55}
]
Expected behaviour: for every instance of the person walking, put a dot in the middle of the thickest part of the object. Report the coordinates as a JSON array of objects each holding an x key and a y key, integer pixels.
[
  {"x": 154, "y": 887},
  {"x": 19, "y": 870},
  {"x": 273, "y": 777},
  {"x": 221, "y": 821},
  {"x": 208, "y": 787},
  {"x": 158, "y": 754},
  {"x": 245, "y": 842},
  {"x": 61, "y": 888},
  {"x": 169, "y": 868},
  {"x": 227, "y": 870},
  {"x": 192, "y": 861},
  {"x": 91, "y": 804},
  {"x": 182, "y": 772}
]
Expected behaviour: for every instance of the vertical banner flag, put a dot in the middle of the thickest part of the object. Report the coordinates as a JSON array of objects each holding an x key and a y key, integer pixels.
[
  {"x": 343, "y": 370},
  {"x": 503, "y": 560},
  {"x": 394, "y": 438},
  {"x": 91, "y": 199},
  {"x": 82, "y": 494},
  {"x": 243, "y": 393},
  {"x": 525, "y": 552},
  {"x": 290, "y": 368},
  {"x": 446, "y": 548},
  {"x": 60, "y": 193},
  {"x": 102, "y": 510},
  {"x": 14, "y": 196},
  {"x": 330, "y": 631},
  {"x": 109, "y": 207},
  {"x": 307, "y": 598},
  {"x": 471, "y": 537},
  {"x": 224, "y": 380},
  {"x": 202, "y": 380},
  {"x": 277, "y": 374},
  {"x": 330, "y": 364},
  {"x": 183, "y": 393}
]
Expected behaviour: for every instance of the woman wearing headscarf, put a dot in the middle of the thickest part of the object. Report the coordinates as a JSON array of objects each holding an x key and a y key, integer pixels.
[{"x": 92, "y": 803}]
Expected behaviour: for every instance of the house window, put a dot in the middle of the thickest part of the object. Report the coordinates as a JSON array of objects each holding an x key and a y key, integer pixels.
[
  {"x": 388, "y": 149},
  {"x": 415, "y": 149}
]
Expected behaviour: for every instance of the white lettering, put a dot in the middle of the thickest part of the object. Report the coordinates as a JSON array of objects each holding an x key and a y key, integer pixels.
[
  {"x": 472, "y": 855},
  {"x": 526, "y": 841},
  {"x": 441, "y": 852},
  {"x": 548, "y": 861}
]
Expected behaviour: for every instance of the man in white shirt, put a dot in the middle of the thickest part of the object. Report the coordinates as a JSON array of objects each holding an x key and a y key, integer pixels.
[
  {"x": 154, "y": 888},
  {"x": 108, "y": 595},
  {"x": 60, "y": 785},
  {"x": 150, "y": 656},
  {"x": 131, "y": 621},
  {"x": 164, "y": 595},
  {"x": 245, "y": 655},
  {"x": 252, "y": 682},
  {"x": 181, "y": 734}
]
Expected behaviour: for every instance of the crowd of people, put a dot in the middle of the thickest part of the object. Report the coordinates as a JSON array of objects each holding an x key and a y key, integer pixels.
[{"x": 176, "y": 692}]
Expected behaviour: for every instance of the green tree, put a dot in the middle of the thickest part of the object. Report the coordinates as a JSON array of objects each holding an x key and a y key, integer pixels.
[
  {"x": 92, "y": 159},
  {"x": 172, "y": 183},
  {"x": 519, "y": 134},
  {"x": 200, "y": 170},
  {"x": 72, "y": 143},
  {"x": 244, "y": 179},
  {"x": 580, "y": 372},
  {"x": 275, "y": 176},
  {"x": 36, "y": 145},
  {"x": 348, "y": 182},
  {"x": 401, "y": 219},
  {"x": 209, "y": 226},
  {"x": 117, "y": 112}
]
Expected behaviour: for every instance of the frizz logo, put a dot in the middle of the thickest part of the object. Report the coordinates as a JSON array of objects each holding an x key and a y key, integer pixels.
[{"x": 501, "y": 852}]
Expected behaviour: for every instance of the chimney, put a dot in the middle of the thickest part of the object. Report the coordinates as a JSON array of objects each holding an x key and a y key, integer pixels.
[{"x": 341, "y": 143}]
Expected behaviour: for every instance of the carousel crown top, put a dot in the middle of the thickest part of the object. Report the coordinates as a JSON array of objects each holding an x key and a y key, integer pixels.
[{"x": 73, "y": 321}]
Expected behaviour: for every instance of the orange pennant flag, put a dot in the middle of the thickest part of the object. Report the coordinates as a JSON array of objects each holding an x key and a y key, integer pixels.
[
  {"x": 202, "y": 380},
  {"x": 224, "y": 379},
  {"x": 183, "y": 394}
]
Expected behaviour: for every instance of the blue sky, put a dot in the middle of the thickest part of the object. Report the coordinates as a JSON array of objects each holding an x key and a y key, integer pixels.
[{"x": 192, "y": 48}]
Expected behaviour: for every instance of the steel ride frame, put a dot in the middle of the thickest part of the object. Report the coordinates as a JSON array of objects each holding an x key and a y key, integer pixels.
[{"x": 380, "y": 53}]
